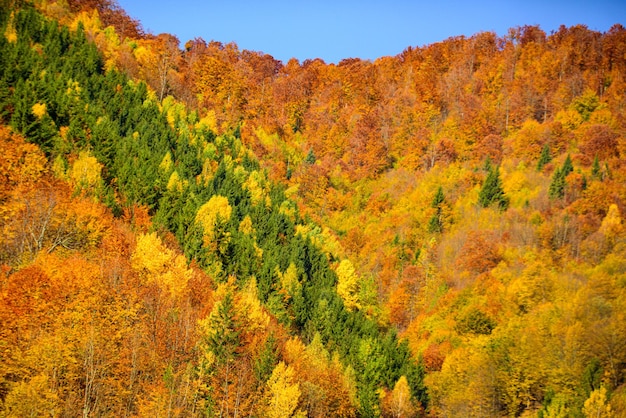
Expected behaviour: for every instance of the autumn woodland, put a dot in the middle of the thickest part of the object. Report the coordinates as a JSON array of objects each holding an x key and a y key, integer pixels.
[{"x": 200, "y": 230}]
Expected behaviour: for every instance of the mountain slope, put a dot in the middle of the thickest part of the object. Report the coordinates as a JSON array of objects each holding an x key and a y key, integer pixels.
[
  {"x": 470, "y": 196},
  {"x": 275, "y": 284}
]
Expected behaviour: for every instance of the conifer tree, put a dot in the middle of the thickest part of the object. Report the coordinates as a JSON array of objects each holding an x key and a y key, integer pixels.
[
  {"x": 310, "y": 157},
  {"x": 436, "y": 222},
  {"x": 488, "y": 166},
  {"x": 438, "y": 199},
  {"x": 492, "y": 192},
  {"x": 567, "y": 166},
  {"x": 544, "y": 158},
  {"x": 596, "y": 172},
  {"x": 224, "y": 336},
  {"x": 557, "y": 186}
]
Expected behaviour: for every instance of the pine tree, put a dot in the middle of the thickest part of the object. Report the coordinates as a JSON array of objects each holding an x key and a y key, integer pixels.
[
  {"x": 544, "y": 158},
  {"x": 438, "y": 199},
  {"x": 567, "y": 166},
  {"x": 596, "y": 172},
  {"x": 492, "y": 191},
  {"x": 557, "y": 186},
  {"x": 434, "y": 225},
  {"x": 488, "y": 166},
  {"x": 436, "y": 222},
  {"x": 266, "y": 361},
  {"x": 310, "y": 157},
  {"x": 224, "y": 339}
]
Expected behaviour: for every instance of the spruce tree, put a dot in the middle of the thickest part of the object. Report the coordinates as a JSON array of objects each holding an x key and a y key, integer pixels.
[
  {"x": 567, "y": 166},
  {"x": 557, "y": 185},
  {"x": 488, "y": 166},
  {"x": 438, "y": 199},
  {"x": 436, "y": 223},
  {"x": 544, "y": 158},
  {"x": 596, "y": 172},
  {"x": 224, "y": 339},
  {"x": 310, "y": 157},
  {"x": 492, "y": 192}
]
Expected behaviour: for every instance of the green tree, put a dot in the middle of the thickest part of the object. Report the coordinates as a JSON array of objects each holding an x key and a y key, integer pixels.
[
  {"x": 596, "y": 171},
  {"x": 436, "y": 222},
  {"x": 544, "y": 158},
  {"x": 567, "y": 166},
  {"x": 558, "y": 183},
  {"x": 266, "y": 360},
  {"x": 310, "y": 157},
  {"x": 585, "y": 104},
  {"x": 223, "y": 338},
  {"x": 492, "y": 193}
]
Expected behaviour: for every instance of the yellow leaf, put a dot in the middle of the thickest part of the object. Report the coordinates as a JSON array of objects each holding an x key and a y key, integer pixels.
[
  {"x": 348, "y": 284},
  {"x": 215, "y": 210},
  {"x": 86, "y": 171},
  {"x": 158, "y": 264},
  {"x": 39, "y": 110},
  {"x": 283, "y": 392}
]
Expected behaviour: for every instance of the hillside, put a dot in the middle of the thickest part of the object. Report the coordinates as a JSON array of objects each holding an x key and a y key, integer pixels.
[{"x": 209, "y": 231}]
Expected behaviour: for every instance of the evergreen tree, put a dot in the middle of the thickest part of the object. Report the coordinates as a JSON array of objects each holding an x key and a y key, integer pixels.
[
  {"x": 567, "y": 166},
  {"x": 544, "y": 158},
  {"x": 266, "y": 359},
  {"x": 436, "y": 222},
  {"x": 492, "y": 192},
  {"x": 438, "y": 199},
  {"x": 310, "y": 157},
  {"x": 488, "y": 166},
  {"x": 596, "y": 172},
  {"x": 557, "y": 186},
  {"x": 224, "y": 339}
]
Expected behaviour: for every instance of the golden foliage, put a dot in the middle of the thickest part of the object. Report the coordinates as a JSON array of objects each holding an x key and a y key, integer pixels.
[
  {"x": 10, "y": 33},
  {"x": 212, "y": 216},
  {"x": 283, "y": 393},
  {"x": 596, "y": 406},
  {"x": 245, "y": 226},
  {"x": 21, "y": 163},
  {"x": 159, "y": 265},
  {"x": 39, "y": 110},
  {"x": 213, "y": 212},
  {"x": 256, "y": 184},
  {"x": 348, "y": 284},
  {"x": 85, "y": 172},
  {"x": 398, "y": 403},
  {"x": 174, "y": 183}
]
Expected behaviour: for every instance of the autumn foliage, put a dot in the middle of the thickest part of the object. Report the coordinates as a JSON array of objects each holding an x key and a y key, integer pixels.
[{"x": 212, "y": 232}]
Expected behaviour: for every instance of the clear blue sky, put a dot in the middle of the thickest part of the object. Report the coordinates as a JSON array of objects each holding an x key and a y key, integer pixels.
[{"x": 367, "y": 29}]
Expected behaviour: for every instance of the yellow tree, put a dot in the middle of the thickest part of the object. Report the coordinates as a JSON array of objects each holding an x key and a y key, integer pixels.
[
  {"x": 596, "y": 406},
  {"x": 85, "y": 173},
  {"x": 398, "y": 403},
  {"x": 212, "y": 216},
  {"x": 159, "y": 265},
  {"x": 348, "y": 284},
  {"x": 283, "y": 393},
  {"x": 157, "y": 58}
]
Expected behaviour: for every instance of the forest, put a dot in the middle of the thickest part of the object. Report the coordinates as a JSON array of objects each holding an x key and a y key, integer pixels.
[{"x": 207, "y": 231}]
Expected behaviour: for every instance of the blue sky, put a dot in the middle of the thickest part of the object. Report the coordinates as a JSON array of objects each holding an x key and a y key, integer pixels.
[{"x": 367, "y": 29}]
